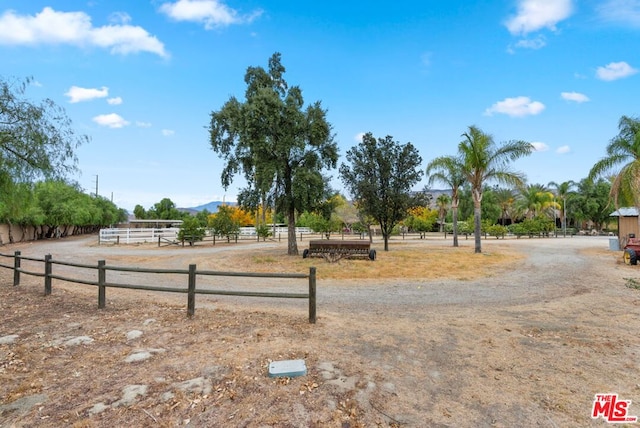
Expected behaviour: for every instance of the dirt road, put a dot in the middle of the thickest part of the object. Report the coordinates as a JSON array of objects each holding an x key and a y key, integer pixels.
[{"x": 529, "y": 346}]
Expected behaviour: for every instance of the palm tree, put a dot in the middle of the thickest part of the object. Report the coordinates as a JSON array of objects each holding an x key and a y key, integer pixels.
[
  {"x": 506, "y": 200},
  {"x": 624, "y": 149},
  {"x": 535, "y": 199},
  {"x": 442, "y": 202},
  {"x": 448, "y": 170},
  {"x": 561, "y": 192},
  {"x": 482, "y": 161}
]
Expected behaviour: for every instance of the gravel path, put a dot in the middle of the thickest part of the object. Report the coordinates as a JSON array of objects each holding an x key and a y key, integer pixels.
[
  {"x": 553, "y": 268},
  {"x": 529, "y": 346}
]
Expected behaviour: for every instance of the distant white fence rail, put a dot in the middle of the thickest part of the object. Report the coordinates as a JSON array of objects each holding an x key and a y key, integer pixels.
[
  {"x": 137, "y": 235},
  {"x": 251, "y": 231},
  {"x": 149, "y": 235}
]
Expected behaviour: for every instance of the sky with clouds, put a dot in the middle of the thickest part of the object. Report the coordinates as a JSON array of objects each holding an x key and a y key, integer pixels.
[{"x": 140, "y": 78}]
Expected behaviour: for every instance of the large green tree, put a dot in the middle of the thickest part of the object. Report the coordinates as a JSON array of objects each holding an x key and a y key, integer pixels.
[
  {"x": 448, "y": 171},
  {"x": 623, "y": 159},
  {"x": 483, "y": 160},
  {"x": 592, "y": 203},
  {"x": 379, "y": 175},
  {"x": 280, "y": 147},
  {"x": 36, "y": 139}
]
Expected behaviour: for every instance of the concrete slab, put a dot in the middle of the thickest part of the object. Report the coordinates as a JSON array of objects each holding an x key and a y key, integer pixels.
[{"x": 287, "y": 368}]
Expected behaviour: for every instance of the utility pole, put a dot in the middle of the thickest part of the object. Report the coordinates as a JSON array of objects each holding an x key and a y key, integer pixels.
[{"x": 96, "y": 185}]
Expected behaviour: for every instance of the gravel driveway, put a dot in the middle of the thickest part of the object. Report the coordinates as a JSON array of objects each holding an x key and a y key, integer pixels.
[{"x": 529, "y": 346}]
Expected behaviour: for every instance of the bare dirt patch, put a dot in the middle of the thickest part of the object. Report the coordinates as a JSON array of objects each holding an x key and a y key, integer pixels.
[{"x": 522, "y": 335}]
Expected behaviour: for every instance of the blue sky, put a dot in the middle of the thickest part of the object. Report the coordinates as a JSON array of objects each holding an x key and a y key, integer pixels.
[{"x": 141, "y": 78}]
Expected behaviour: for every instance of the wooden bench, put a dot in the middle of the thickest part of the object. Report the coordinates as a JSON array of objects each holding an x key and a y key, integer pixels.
[{"x": 334, "y": 250}]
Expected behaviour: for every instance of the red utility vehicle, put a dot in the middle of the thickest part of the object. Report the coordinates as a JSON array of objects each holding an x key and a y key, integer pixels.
[{"x": 632, "y": 250}]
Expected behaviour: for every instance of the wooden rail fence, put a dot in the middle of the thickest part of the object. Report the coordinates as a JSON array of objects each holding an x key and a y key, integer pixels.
[{"x": 191, "y": 290}]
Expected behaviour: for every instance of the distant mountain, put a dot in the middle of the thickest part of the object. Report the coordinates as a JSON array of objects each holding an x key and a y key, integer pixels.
[{"x": 212, "y": 207}]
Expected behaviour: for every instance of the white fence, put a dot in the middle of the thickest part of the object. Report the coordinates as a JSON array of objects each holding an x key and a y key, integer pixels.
[
  {"x": 275, "y": 231},
  {"x": 137, "y": 235},
  {"x": 142, "y": 235}
]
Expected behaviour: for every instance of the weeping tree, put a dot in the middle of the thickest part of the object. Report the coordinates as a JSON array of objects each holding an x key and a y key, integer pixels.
[
  {"x": 37, "y": 142},
  {"x": 36, "y": 138},
  {"x": 280, "y": 147}
]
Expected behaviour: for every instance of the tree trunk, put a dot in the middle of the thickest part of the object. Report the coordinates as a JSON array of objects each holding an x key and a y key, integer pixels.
[
  {"x": 454, "y": 218},
  {"x": 10, "y": 232},
  {"x": 292, "y": 245},
  {"x": 477, "y": 221}
]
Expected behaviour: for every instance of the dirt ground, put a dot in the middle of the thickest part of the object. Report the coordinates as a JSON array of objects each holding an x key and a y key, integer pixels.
[{"x": 523, "y": 335}]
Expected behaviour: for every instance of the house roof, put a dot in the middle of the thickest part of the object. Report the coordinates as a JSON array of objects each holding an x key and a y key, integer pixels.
[{"x": 625, "y": 212}]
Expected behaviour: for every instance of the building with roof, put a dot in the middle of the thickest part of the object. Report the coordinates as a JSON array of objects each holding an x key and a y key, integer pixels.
[{"x": 628, "y": 218}]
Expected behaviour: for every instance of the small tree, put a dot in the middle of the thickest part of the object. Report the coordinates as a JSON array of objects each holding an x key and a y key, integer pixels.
[
  {"x": 191, "y": 230},
  {"x": 380, "y": 177},
  {"x": 421, "y": 219},
  {"x": 448, "y": 170},
  {"x": 263, "y": 231},
  {"x": 223, "y": 224},
  {"x": 443, "y": 205}
]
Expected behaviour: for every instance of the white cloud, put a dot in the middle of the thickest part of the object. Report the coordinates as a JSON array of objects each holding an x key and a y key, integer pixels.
[
  {"x": 114, "y": 101},
  {"x": 111, "y": 120},
  {"x": 75, "y": 28},
  {"x": 625, "y": 12},
  {"x": 574, "y": 96},
  {"x": 535, "y": 43},
  {"x": 212, "y": 13},
  {"x": 516, "y": 107},
  {"x": 534, "y": 15},
  {"x": 563, "y": 149},
  {"x": 143, "y": 124},
  {"x": 77, "y": 94},
  {"x": 615, "y": 71},
  {"x": 120, "y": 18},
  {"x": 168, "y": 132},
  {"x": 358, "y": 137},
  {"x": 539, "y": 147}
]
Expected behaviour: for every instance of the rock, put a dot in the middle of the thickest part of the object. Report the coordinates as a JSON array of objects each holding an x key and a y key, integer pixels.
[
  {"x": 7, "y": 340},
  {"x": 98, "y": 408},
  {"x": 80, "y": 340},
  {"x": 130, "y": 393},
  {"x": 134, "y": 334}
]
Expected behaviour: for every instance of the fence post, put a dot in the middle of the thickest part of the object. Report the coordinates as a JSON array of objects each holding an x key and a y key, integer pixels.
[
  {"x": 16, "y": 268},
  {"x": 191, "y": 292},
  {"x": 312, "y": 295},
  {"x": 102, "y": 289},
  {"x": 47, "y": 274}
]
